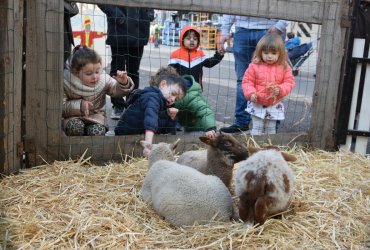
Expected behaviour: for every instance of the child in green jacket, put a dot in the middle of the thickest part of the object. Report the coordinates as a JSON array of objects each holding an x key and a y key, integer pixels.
[{"x": 194, "y": 112}]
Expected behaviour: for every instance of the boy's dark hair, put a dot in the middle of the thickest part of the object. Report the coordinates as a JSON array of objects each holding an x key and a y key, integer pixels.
[{"x": 82, "y": 55}]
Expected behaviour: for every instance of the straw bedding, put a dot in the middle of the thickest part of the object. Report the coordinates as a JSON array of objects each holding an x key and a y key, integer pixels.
[{"x": 76, "y": 205}]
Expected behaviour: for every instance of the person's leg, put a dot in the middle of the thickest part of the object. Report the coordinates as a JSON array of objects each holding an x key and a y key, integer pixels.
[
  {"x": 95, "y": 129},
  {"x": 75, "y": 127},
  {"x": 270, "y": 127},
  {"x": 133, "y": 60},
  {"x": 117, "y": 63},
  {"x": 245, "y": 42},
  {"x": 257, "y": 125}
]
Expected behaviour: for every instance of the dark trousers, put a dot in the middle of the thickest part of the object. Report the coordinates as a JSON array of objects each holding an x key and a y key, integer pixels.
[{"x": 126, "y": 58}]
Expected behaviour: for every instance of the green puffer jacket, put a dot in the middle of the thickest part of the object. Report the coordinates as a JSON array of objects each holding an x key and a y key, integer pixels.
[{"x": 195, "y": 114}]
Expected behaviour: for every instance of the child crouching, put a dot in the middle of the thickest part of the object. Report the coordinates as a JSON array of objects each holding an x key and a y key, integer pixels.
[{"x": 85, "y": 87}]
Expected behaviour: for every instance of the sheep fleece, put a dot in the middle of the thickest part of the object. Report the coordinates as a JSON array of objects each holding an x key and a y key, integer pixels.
[{"x": 183, "y": 195}]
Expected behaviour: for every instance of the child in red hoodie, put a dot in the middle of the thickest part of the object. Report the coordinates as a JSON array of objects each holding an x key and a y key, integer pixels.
[{"x": 189, "y": 59}]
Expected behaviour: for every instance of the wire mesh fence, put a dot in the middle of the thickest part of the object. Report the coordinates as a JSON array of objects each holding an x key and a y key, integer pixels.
[{"x": 44, "y": 136}]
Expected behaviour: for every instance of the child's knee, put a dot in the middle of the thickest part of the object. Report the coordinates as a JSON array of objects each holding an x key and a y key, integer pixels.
[
  {"x": 75, "y": 127},
  {"x": 95, "y": 129}
]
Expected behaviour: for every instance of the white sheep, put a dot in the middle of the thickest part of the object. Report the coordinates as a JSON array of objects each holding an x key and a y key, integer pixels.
[
  {"x": 264, "y": 184},
  {"x": 183, "y": 195},
  {"x": 219, "y": 159}
]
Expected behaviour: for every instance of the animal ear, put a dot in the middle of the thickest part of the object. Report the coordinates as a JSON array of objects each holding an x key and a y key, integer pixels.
[
  {"x": 205, "y": 140},
  {"x": 253, "y": 150},
  {"x": 175, "y": 144},
  {"x": 288, "y": 157},
  {"x": 145, "y": 144}
]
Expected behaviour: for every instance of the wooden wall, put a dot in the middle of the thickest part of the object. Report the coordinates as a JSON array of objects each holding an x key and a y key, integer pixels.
[
  {"x": 11, "y": 25},
  {"x": 43, "y": 140}
]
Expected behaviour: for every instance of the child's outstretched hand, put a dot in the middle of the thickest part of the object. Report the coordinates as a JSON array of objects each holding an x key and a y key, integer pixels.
[
  {"x": 121, "y": 77},
  {"x": 86, "y": 106},
  {"x": 253, "y": 98},
  {"x": 211, "y": 134},
  {"x": 172, "y": 112}
]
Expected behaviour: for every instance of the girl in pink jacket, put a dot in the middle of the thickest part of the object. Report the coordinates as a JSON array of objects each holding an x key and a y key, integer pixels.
[{"x": 266, "y": 82}]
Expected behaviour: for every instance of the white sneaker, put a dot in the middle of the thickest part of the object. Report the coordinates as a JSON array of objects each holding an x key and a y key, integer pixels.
[{"x": 110, "y": 133}]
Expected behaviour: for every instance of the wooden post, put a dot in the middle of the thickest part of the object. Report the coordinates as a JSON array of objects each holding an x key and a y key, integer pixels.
[
  {"x": 328, "y": 76},
  {"x": 44, "y": 76},
  {"x": 11, "y": 25}
]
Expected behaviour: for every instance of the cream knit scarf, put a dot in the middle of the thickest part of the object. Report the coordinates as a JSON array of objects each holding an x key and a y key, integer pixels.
[{"x": 74, "y": 83}]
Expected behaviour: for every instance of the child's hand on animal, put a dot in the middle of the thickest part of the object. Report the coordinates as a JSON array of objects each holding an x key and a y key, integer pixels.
[
  {"x": 121, "y": 77},
  {"x": 211, "y": 134},
  {"x": 253, "y": 98},
  {"x": 275, "y": 91},
  {"x": 146, "y": 152},
  {"x": 172, "y": 112},
  {"x": 86, "y": 106}
]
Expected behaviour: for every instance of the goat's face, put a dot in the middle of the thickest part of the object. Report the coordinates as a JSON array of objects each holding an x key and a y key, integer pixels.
[
  {"x": 254, "y": 201},
  {"x": 229, "y": 145}
]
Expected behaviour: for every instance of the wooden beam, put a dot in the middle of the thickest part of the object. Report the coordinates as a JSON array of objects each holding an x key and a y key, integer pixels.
[
  {"x": 44, "y": 60},
  {"x": 298, "y": 10},
  {"x": 11, "y": 25},
  {"x": 116, "y": 148}
]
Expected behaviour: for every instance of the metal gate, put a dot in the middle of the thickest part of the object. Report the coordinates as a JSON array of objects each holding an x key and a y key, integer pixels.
[{"x": 353, "y": 123}]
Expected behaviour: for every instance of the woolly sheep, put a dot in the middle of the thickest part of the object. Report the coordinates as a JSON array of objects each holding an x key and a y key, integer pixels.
[
  {"x": 183, "y": 195},
  {"x": 219, "y": 159},
  {"x": 264, "y": 184}
]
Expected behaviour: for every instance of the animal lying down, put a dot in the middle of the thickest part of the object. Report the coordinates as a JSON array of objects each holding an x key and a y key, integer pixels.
[
  {"x": 183, "y": 195},
  {"x": 264, "y": 184},
  {"x": 218, "y": 159}
]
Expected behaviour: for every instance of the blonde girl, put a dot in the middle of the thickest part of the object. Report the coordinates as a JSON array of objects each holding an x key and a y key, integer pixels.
[
  {"x": 85, "y": 86},
  {"x": 266, "y": 82}
]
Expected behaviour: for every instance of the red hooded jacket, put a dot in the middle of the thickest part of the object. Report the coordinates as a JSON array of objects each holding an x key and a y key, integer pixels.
[{"x": 191, "y": 62}]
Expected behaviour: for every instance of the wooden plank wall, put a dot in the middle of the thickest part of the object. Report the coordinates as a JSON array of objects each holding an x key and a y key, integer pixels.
[
  {"x": 11, "y": 25},
  {"x": 44, "y": 75}
]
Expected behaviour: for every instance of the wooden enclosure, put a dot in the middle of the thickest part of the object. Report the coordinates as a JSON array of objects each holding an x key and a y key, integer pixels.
[{"x": 42, "y": 137}]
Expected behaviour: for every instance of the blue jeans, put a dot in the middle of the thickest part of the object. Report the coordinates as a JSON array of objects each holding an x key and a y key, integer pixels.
[{"x": 245, "y": 41}]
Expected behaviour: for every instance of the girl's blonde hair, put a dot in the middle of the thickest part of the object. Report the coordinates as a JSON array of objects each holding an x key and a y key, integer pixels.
[
  {"x": 81, "y": 56},
  {"x": 271, "y": 43}
]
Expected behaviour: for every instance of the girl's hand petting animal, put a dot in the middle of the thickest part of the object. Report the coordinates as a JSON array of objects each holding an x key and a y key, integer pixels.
[
  {"x": 121, "y": 77},
  {"x": 86, "y": 106},
  {"x": 172, "y": 112}
]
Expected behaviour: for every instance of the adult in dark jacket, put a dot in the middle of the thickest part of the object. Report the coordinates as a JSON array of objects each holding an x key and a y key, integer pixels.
[
  {"x": 70, "y": 10},
  {"x": 128, "y": 33}
]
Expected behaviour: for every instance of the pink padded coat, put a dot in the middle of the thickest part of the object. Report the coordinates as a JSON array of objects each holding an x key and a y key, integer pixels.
[{"x": 260, "y": 78}]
